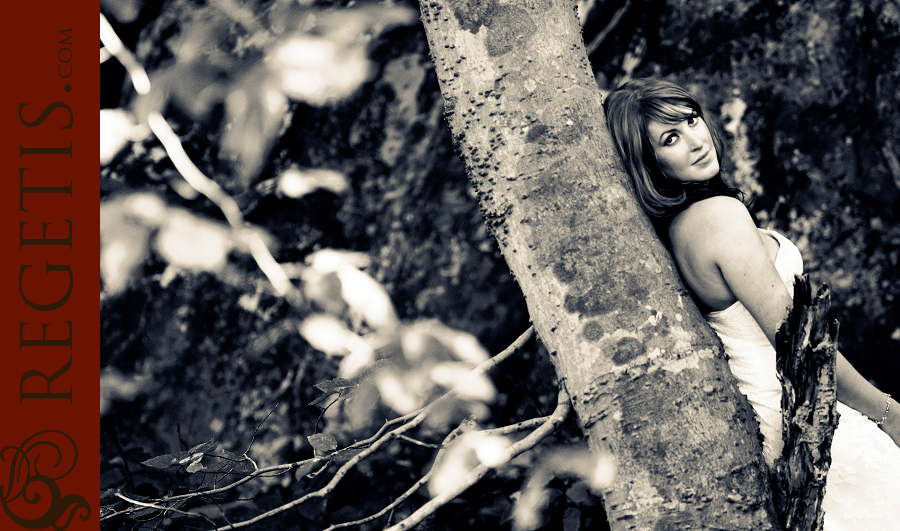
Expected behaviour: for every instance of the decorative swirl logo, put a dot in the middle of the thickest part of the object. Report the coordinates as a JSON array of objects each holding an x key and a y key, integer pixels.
[{"x": 33, "y": 475}]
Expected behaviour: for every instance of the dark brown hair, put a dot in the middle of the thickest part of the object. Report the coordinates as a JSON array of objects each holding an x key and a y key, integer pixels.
[{"x": 629, "y": 110}]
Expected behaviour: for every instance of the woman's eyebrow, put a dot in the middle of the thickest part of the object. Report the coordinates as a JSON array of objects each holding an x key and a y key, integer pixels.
[{"x": 664, "y": 133}]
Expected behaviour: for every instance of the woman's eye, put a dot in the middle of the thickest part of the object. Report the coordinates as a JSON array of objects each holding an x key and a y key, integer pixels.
[
  {"x": 692, "y": 120},
  {"x": 670, "y": 140}
]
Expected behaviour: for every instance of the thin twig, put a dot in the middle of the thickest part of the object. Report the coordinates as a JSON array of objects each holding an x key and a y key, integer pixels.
[
  {"x": 225, "y": 202},
  {"x": 381, "y": 431},
  {"x": 519, "y": 426},
  {"x": 117, "y": 48},
  {"x": 529, "y": 442},
  {"x": 339, "y": 475},
  {"x": 370, "y": 445},
  {"x": 465, "y": 425},
  {"x": 203, "y": 184},
  {"x": 613, "y": 22},
  {"x": 418, "y": 442},
  {"x": 400, "y": 499},
  {"x": 163, "y": 509},
  {"x": 375, "y": 441},
  {"x": 257, "y": 473},
  {"x": 258, "y": 426}
]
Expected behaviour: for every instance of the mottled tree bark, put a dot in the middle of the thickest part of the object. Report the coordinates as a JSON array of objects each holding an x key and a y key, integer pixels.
[{"x": 645, "y": 372}]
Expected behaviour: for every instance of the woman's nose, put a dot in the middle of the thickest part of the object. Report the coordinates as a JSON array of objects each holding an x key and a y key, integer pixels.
[{"x": 694, "y": 140}]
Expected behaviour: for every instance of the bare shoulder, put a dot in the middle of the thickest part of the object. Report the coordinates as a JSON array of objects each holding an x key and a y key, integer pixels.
[{"x": 712, "y": 228}]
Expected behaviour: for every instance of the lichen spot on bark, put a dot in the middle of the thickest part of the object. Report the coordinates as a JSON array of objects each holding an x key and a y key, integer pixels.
[
  {"x": 587, "y": 304},
  {"x": 537, "y": 133},
  {"x": 635, "y": 287},
  {"x": 472, "y": 14},
  {"x": 592, "y": 331},
  {"x": 509, "y": 28},
  {"x": 627, "y": 349},
  {"x": 565, "y": 271}
]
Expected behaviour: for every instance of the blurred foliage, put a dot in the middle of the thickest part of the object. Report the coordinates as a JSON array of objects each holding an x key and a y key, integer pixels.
[
  {"x": 349, "y": 175},
  {"x": 198, "y": 346}
]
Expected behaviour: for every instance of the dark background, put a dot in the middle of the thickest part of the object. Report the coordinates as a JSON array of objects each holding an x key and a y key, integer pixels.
[{"x": 809, "y": 93}]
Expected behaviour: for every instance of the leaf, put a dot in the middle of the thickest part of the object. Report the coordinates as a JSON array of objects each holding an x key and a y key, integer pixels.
[
  {"x": 396, "y": 394},
  {"x": 433, "y": 340},
  {"x": 191, "y": 242},
  {"x": 322, "y": 399},
  {"x": 126, "y": 223},
  {"x": 367, "y": 298},
  {"x": 322, "y": 443},
  {"x": 327, "y": 334},
  {"x": 319, "y": 71},
  {"x": 489, "y": 449},
  {"x": 255, "y": 110},
  {"x": 179, "y": 458},
  {"x": 456, "y": 461},
  {"x": 296, "y": 183},
  {"x": 572, "y": 519},
  {"x": 125, "y": 11},
  {"x": 309, "y": 466},
  {"x": 196, "y": 466},
  {"x": 331, "y": 260},
  {"x": 459, "y": 375},
  {"x": 361, "y": 356},
  {"x": 528, "y": 511},
  {"x": 335, "y": 385},
  {"x": 345, "y": 455},
  {"x": 325, "y": 291},
  {"x": 167, "y": 460},
  {"x": 116, "y": 130}
]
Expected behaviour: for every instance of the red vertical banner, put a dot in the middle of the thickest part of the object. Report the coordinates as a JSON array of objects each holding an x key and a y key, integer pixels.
[{"x": 49, "y": 282}]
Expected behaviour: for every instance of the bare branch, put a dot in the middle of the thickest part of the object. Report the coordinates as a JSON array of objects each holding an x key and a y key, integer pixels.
[
  {"x": 418, "y": 442},
  {"x": 225, "y": 202},
  {"x": 203, "y": 184},
  {"x": 384, "y": 439},
  {"x": 115, "y": 47},
  {"x": 613, "y": 22},
  {"x": 164, "y": 510},
  {"x": 259, "y": 472},
  {"x": 372, "y": 444},
  {"x": 519, "y": 426},
  {"x": 556, "y": 418},
  {"x": 400, "y": 499}
]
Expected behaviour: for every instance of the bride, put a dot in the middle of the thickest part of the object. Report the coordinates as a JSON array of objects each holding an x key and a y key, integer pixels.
[{"x": 741, "y": 277}]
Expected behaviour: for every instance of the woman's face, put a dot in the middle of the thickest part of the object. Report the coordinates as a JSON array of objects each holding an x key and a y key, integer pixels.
[{"x": 685, "y": 150}]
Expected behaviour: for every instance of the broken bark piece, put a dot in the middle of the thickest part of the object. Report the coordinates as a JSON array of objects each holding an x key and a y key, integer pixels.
[{"x": 806, "y": 350}]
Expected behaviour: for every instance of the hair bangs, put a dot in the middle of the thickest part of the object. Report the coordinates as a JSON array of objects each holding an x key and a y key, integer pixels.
[{"x": 669, "y": 110}]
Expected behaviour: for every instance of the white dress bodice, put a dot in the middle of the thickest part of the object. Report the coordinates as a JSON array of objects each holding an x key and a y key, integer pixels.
[
  {"x": 862, "y": 491},
  {"x": 751, "y": 356}
]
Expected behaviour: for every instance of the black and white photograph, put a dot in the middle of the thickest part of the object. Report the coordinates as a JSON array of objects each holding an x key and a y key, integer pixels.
[{"x": 509, "y": 264}]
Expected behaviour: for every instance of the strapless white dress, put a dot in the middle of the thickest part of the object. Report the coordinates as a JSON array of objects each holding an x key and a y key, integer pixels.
[{"x": 862, "y": 492}]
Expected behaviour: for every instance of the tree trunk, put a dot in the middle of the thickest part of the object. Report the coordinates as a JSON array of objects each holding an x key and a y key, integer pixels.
[{"x": 646, "y": 375}]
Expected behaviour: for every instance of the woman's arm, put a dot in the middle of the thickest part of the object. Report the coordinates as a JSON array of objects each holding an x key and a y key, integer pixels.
[
  {"x": 855, "y": 391},
  {"x": 723, "y": 235}
]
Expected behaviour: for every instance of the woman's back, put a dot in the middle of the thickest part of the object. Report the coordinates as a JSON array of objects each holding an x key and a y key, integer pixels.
[{"x": 723, "y": 258}]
